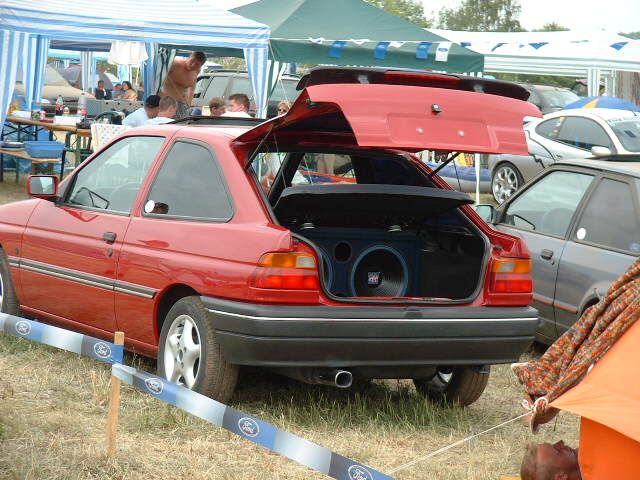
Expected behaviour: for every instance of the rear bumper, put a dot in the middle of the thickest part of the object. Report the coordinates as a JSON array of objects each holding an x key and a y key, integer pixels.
[{"x": 328, "y": 336}]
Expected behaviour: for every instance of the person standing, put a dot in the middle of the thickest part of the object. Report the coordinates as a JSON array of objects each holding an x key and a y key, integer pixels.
[
  {"x": 129, "y": 92},
  {"x": 142, "y": 115},
  {"x": 181, "y": 81}
]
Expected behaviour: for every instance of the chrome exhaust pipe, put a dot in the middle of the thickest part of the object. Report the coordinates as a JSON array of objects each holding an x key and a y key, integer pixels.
[{"x": 335, "y": 378}]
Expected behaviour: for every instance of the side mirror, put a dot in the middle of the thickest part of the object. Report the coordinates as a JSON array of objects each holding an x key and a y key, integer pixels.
[
  {"x": 486, "y": 211},
  {"x": 599, "y": 152},
  {"x": 43, "y": 186}
]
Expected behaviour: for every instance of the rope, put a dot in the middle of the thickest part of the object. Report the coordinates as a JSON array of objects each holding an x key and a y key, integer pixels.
[{"x": 459, "y": 442}]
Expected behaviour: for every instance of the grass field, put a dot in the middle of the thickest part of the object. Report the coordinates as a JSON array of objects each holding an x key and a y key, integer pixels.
[{"x": 53, "y": 408}]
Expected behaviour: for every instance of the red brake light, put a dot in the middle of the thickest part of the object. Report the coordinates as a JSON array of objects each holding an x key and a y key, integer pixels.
[
  {"x": 511, "y": 275},
  {"x": 419, "y": 79},
  {"x": 286, "y": 271}
]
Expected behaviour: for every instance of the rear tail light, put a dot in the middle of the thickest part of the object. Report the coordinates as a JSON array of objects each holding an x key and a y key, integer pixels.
[
  {"x": 511, "y": 275},
  {"x": 286, "y": 271}
]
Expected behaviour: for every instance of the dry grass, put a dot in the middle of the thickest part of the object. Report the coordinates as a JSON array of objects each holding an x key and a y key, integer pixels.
[{"x": 53, "y": 409}]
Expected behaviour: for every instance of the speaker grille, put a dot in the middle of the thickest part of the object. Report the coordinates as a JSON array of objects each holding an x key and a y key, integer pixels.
[{"x": 379, "y": 271}]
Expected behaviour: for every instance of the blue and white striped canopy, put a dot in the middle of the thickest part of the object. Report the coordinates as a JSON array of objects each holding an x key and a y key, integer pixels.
[{"x": 192, "y": 23}]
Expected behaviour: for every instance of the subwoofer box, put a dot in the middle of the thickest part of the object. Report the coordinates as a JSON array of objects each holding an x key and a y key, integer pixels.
[{"x": 368, "y": 263}]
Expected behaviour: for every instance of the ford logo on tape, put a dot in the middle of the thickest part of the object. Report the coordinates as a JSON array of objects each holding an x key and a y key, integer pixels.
[
  {"x": 154, "y": 385},
  {"x": 102, "y": 350},
  {"x": 23, "y": 327},
  {"x": 248, "y": 426},
  {"x": 358, "y": 472}
]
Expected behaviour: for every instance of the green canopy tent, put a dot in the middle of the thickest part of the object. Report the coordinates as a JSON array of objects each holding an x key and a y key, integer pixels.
[{"x": 350, "y": 32}]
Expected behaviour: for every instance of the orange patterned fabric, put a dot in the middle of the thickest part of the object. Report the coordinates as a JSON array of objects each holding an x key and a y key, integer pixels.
[{"x": 566, "y": 361}]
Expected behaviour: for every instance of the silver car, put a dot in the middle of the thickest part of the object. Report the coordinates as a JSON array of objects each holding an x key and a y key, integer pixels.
[
  {"x": 581, "y": 221},
  {"x": 565, "y": 134}
]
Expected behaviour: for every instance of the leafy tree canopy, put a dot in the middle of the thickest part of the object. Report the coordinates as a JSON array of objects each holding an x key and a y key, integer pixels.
[
  {"x": 482, "y": 16},
  {"x": 551, "y": 27},
  {"x": 410, "y": 10}
]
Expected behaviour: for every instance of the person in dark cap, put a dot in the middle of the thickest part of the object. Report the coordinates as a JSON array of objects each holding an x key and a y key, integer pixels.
[{"x": 142, "y": 115}]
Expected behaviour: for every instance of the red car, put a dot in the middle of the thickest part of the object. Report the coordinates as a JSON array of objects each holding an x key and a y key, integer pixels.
[{"x": 169, "y": 234}]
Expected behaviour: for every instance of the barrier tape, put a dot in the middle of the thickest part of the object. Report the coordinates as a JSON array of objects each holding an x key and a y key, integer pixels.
[
  {"x": 253, "y": 429},
  {"x": 60, "y": 338}
]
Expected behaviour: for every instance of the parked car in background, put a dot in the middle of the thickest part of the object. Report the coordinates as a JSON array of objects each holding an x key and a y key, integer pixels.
[
  {"x": 222, "y": 83},
  {"x": 170, "y": 234},
  {"x": 567, "y": 134},
  {"x": 581, "y": 222},
  {"x": 549, "y": 98},
  {"x": 54, "y": 85}
]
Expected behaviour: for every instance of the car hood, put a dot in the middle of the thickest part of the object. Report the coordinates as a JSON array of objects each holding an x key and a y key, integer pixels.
[{"x": 405, "y": 117}]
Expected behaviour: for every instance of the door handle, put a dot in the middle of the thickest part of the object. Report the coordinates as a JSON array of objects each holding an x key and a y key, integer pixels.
[
  {"x": 109, "y": 237},
  {"x": 546, "y": 254}
]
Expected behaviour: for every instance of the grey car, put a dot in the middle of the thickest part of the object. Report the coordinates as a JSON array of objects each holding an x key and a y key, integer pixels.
[
  {"x": 581, "y": 222},
  {"x": 565, "y": 134}
]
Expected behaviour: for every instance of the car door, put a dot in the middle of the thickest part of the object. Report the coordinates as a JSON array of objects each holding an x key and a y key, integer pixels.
[
  {"x": 541, "y": 214},
  {"x": 603, "y": 243},
  {"x": 181, "y": 237},
  {"x": 547, "y": 134},
  {"x": 70, "y": 249}
]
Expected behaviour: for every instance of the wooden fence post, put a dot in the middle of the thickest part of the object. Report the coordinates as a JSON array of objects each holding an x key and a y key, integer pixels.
[{"x": 114, "y": 406}]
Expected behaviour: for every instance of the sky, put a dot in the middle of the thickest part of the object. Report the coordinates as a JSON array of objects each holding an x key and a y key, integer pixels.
[{"x": 613, "y": 15}]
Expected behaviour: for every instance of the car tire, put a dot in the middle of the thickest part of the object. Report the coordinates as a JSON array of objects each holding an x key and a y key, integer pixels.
[
  {"x": 189, "y": 353},
  {"x": 505, "y": 181},
  {"x": 8, "y": 299},
  {"x": 461, "y": 385}
]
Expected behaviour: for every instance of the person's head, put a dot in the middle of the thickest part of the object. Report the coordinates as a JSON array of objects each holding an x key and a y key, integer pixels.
[
  {"x": 238, "y": 102},
  {"x": 283, "y": 107},
  {"x": 216, "y": 107},
  {"x": 545, "y": 461},
  {"x": 117, "y": 86},
  {"x": 196, "y": 60},
  {"x": 167, "y": 107},
  {"x": 101, "y": 84},
  {"x": 126, "y": 85},
  {"x": 152, "y": 105}
]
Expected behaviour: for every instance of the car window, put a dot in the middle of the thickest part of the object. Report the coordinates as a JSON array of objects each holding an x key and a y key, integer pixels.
[
  {"x": 610, "y": 218},
  {"x": 628, "y": 132},
  {"x": 548, "y": 205},
  {"x": 553, "y": 98},
  {"x": 216, "y": 88},
  {"x": 111, "y": 180},
  {"x": 534, "y": 98},
  {"x": 285, "y": 90},
  {"x": 550, "y": 128},
  {"x": 583, "y": 133},
  {"x": 190, "y": 184}
]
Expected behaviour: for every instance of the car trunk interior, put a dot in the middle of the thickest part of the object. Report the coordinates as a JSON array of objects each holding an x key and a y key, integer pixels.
[{"x": 382, "y": 228}]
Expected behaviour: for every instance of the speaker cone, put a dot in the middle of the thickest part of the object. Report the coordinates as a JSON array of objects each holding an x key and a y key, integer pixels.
[{"x": 379, "y": 271}]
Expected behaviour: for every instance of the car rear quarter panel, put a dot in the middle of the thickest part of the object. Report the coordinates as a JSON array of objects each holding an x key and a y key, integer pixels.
[{"x": 211, "y": 258}]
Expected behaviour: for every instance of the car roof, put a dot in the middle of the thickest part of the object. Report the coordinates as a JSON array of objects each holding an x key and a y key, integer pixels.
[
  {"x": 542, "y": 87},
  {"x": 631, "y": 167},
  {"x": 601, "y": 113}
]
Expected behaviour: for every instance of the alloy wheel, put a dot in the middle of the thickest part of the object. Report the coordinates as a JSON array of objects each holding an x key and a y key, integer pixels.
[
  {"x": 505, "y": 183},
  {"x": 182, "y": 351}
]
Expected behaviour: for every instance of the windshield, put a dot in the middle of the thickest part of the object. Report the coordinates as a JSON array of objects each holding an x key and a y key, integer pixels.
[
  {"x": 557, "y": 98},
  {"x": 628, "y": 132}
]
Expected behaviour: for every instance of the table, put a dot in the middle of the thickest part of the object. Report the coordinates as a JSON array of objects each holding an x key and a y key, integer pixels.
[
  {"x": 34, "y": 161},
  {"x": 23, "y": 124}
]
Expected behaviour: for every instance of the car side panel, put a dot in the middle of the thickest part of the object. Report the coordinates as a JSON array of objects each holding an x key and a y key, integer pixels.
[{"x": 579, "y": 278}]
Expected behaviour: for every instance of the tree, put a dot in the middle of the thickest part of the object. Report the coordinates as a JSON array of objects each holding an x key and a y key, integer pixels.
[
  {"x": 551, "y": 27},
  {"x": 634, "y": 35},
  {"x": 410, "y": 10},
  {"x": 482, "y": 16}
]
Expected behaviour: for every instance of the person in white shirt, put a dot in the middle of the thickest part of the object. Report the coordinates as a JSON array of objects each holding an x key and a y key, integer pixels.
[
  {"x": 237, "y": 106},
  {"x": 167, "y": 109},
  {"x": 142, "y": 115}
]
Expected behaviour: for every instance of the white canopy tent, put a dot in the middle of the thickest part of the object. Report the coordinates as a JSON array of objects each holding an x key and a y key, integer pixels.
[
  {"x": 590, "y": 55},
  {"x": 26, "y": 29}
]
